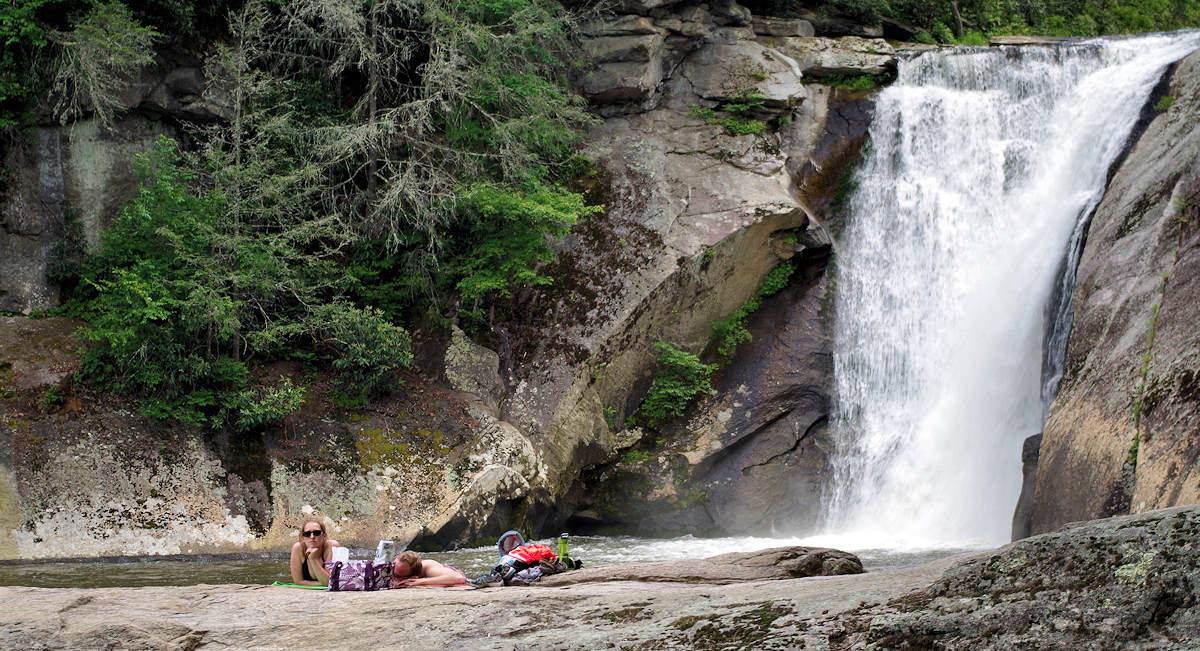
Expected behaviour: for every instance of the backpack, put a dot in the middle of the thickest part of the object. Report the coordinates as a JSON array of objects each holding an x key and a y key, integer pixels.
[
  {"x": 359, "y": 575},
  {"x": 527, "y": 557}
]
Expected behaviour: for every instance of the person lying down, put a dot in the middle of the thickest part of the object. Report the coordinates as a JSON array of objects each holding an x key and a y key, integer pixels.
[{"x": 409, "y": 571}]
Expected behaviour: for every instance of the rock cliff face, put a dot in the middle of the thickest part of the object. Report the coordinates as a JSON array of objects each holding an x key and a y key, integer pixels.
[
  {"x": 61, "y": 178},
  {"x": 520, "y": 428},
  {"x": 1121, "y": 435}
]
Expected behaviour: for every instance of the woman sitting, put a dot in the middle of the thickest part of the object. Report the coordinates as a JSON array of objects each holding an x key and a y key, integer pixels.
[
  {"x": 310, "y": 554},
  {"x": 408, "y": 570}
]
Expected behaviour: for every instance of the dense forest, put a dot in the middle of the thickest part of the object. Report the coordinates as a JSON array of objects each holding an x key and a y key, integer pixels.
[{"x": 387, "y": 166}]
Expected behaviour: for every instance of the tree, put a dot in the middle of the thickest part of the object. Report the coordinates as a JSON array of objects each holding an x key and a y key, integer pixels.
[{"x": 95, "y": 60}]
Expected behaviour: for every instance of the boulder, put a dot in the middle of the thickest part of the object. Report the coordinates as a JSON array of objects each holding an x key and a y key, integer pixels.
[
  {"x": 1023, "y": 514},
  {"x": 632, "y": 48},
  {"x": 729, "y": 12},
  {"x": 621, "y": 26},
  {"x": 767, "y": 26},
  {"x": 472, "y": 368},
  {"x": 832, "y": 25},
  {"x": 68, "y": 185},
  {"x": 644, "y": 7},
  {"x": 737, "y": 567},
  {"x": 733, "y": 70},
  {"x": 818, "y": 56},
  {"x": 1122, "y": 583},
  {"x": 75, "y": 179}
]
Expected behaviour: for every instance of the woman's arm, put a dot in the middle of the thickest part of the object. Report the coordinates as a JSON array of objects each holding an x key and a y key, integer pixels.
[
  {"x": 316, "y": 564},
  {"x": 297, "y": 559}
]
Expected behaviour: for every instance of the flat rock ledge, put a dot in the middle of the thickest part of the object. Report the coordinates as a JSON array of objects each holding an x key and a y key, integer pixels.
[
  {"x": 1124, "y": 583},
  {"x": 765, "y": 565}
]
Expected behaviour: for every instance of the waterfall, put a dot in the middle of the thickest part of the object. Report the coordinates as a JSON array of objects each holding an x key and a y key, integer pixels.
[{"x": 982, "y": 166}]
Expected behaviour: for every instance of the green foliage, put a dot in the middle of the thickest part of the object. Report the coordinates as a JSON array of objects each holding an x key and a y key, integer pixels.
[
  {"x": 96, "y": 59},
  {"x": 449, "y": 162},
  {"x": 865, "y": 11},
  {"x": 735, "y": 115},
  {"x": 856, "y": 81},
  {"x": 51, "y": 399},
  {"x": 610, "y": 418},
  {"x": 728, "y": 333},
  {"x": 156, "y": 326},
  {"x": 635, "y": 456},
  {"x": 984, "y": 18},
  {"x": 70, "y": 251},
  {"x": 940, "y": 32},
  {"x": 366, "y": 349},
  {"x": 188, "y": 286},
  {"x": 681, "y": 377},
  {"x": 264, "y": 405},
  {"x": 509, "y": 230},
  {"x": 974, "y": 37},
  {"x": 23, "y": 36},
  {"x": 380, "y": 159},
  {"x": 1164, "y": 103}
]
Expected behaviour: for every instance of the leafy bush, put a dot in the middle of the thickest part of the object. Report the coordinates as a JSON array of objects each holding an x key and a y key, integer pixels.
[
  {"x": 156, "y": 328},
  {"x": 680, "y": 378},
  {"x": 365, "y": 348}
]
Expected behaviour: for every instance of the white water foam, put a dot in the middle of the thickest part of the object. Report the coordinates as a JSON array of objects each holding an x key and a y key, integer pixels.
[{"x": 981, "y": 164}]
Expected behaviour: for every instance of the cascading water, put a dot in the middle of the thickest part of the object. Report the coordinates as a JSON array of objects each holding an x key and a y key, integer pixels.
[{"x": 981, "y": 168}]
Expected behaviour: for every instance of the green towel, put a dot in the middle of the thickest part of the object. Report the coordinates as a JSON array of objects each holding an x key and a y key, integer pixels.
[{"x": 294, "y": 585}]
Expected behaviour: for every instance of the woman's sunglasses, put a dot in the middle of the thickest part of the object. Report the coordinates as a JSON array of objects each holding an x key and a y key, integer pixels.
[{"x": 313, "y": 533}]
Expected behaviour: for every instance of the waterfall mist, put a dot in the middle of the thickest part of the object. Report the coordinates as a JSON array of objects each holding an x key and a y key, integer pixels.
[{"x": 981, "y": 167}]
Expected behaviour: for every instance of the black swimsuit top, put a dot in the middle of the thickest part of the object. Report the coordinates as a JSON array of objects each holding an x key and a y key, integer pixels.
[{"x": 304, "y": 573}]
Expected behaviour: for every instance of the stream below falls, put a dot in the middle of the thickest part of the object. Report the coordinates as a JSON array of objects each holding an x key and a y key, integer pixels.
[{"x": 594, "y": 551}]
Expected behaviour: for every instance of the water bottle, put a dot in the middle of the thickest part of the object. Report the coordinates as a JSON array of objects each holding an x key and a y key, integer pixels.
[
  {"x": 383, "y": 551},
  {"x": 562, "y": 548}
]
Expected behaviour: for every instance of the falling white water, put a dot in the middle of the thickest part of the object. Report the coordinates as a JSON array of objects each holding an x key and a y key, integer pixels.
[{"x": 981, "y": 165}]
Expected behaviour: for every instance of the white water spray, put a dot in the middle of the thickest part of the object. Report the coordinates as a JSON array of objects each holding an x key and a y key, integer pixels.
[{"x": 982, "y": 163}]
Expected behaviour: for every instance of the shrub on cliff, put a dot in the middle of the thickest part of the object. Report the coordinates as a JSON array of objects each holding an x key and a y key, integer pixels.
[{"x": 681, "y": 376}]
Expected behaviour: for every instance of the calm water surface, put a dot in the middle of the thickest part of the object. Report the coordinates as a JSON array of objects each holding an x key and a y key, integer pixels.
[{"x": 594, "y": 551}]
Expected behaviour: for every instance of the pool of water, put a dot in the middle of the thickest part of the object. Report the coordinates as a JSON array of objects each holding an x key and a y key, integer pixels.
[{"x": 594, "y": 551}]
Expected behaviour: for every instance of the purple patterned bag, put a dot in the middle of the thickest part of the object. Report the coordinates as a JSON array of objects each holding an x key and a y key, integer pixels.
[{"x": 359, "y": 575}]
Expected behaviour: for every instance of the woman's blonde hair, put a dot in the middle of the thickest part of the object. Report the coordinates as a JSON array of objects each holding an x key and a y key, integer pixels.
[{"x": 300, "y": 534}]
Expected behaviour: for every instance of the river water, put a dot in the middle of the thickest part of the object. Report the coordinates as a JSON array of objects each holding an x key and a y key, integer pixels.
[{"x": 594, "y": 551}]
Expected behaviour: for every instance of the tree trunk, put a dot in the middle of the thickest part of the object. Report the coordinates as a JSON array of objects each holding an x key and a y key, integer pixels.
[{"x": 958, "y": 21}]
